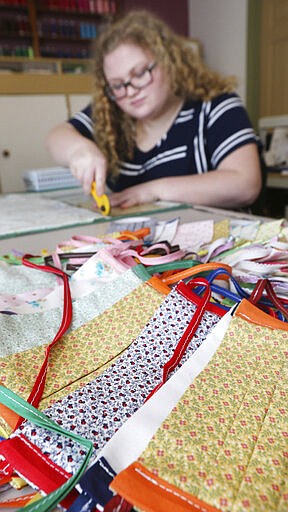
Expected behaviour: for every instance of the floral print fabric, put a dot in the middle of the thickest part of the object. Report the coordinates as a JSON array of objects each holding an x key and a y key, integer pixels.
[
  {"x": 85, "y": 349},
  {"x": 97, "y": 410},
  {"x": 226, "y": 441},
  {"x": 21, "y": 332}
]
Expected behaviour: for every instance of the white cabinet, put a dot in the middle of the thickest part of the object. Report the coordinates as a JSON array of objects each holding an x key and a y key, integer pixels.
[{"x": 25, "y": 123}]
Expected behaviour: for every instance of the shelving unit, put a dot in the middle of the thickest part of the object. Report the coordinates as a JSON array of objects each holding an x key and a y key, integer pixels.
[
  {"x": 45, "y": 75},
  {"x": 52, "y": 28},
  {"x": 45, "y": 45}
]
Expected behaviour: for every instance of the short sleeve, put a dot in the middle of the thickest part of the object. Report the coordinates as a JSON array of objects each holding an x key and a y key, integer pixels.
[
  {"x": 228, "y": 127},
  {"x": 82, "y": 122}
]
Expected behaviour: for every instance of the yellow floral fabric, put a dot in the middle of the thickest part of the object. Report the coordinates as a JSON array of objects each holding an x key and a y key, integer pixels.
[
  {"x": 226, "y": 442},
  {"x": 84, "y": 351}
]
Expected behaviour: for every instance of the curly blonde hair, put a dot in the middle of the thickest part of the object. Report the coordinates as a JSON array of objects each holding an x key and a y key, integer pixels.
[{"x": 189, "y": 78}]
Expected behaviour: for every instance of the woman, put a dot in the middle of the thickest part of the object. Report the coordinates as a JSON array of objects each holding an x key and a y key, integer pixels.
[{"x": 162, "y": 126}]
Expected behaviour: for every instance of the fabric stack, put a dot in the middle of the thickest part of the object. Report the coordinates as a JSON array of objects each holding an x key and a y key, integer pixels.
[{"x": 147, "y": 374}]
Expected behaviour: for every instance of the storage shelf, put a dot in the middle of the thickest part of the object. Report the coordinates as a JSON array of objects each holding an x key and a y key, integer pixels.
[
  {"x": 45, "y": 76},
  {"x": 31, "y": 28},
  {"x": 25, "y": 65},
  {"x": 19, "y": 8},
  {"x": 45, "y": 84},
  {"x": 15, "y": 35},
  {"x": 76, "y": 14},
  {"x": 66, "y": 39}
]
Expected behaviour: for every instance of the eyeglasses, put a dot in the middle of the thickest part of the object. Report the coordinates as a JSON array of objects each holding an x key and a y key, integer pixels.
[{"x": 137, "y": 81}]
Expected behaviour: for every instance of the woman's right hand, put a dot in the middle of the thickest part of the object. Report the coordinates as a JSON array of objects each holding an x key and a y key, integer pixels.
[
  {"x": 88, "y": 164},
  {"x": 71, "y": 149}
]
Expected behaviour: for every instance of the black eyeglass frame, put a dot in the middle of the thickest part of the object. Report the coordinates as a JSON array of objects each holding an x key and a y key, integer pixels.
[{"x": 126, "y": 84}]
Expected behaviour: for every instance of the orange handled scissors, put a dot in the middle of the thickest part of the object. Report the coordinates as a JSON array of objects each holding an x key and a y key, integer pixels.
[{"x": 101, "y": 201}]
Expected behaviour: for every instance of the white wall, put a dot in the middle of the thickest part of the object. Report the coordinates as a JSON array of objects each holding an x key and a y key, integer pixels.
[{"x": 221, "y": 27}]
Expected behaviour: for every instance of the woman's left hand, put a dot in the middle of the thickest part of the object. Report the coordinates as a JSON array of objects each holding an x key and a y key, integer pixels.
[{"x": 131, "y": 196}]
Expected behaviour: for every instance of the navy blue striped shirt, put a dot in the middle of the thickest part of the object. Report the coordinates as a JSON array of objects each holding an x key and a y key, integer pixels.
[{"x": 201, "y": 136}]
